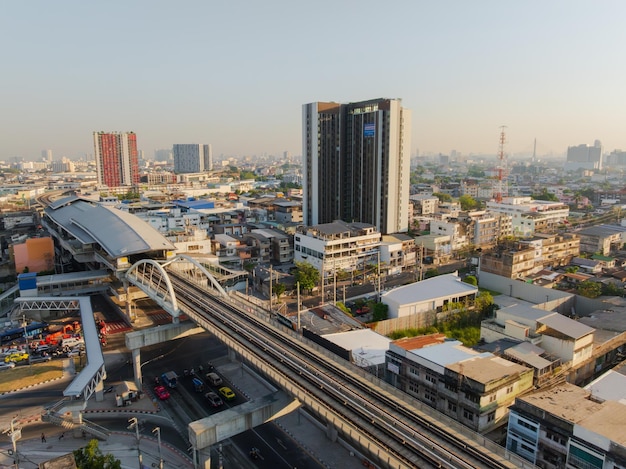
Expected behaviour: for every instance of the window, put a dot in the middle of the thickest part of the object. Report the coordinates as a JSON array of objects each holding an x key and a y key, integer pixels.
[
  {"x": 491, "y": 416},
  {"x": 468, "y": 415},
  {"x": 451, "y": 406},
  {"x": 492, "y": 397},
  {"x": 431, "y": 379},
  {"x": 509, "y": 390}
]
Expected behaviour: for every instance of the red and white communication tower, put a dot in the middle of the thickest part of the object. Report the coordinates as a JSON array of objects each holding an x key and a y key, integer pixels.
[{"x": 500, "y": 187}]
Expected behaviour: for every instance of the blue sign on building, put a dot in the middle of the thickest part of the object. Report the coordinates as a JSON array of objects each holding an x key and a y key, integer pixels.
[{"x": 369, "y": 130}]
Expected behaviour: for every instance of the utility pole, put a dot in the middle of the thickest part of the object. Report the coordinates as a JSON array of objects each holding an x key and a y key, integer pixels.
[
  {"x": 15, "y": 434},
  {"x": 271, "y": 302},
  {"x": 298, "y": 303},
  {"x": 134, "y": 423}
]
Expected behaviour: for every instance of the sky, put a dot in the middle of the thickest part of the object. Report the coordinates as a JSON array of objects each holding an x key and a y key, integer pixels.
[{"x": 236, "y": 73}]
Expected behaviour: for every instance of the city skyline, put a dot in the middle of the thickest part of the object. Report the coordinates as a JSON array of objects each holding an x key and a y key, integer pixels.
[{"x": 237, "y": 74}]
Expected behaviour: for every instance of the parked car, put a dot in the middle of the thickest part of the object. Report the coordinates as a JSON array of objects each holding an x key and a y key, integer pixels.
[
  {"x": 162, "y": 393},
  {"x": 227, "y": 393},
  {"x": 16, "y": 357},
  {"x": 214, "y": 399},
  {"x": 214, "y": 379},
  {"x": 6, "y": 366}
]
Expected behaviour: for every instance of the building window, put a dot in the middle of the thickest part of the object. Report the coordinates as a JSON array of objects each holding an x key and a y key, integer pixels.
[
  {"x": 468, "y": 415},
  {"x": 509, "y": 390},
  {"x": 451, "y": 406},
  {"x": 492, "y": 397},
  {"x": 431, "y": 379},
  {"x": 491, "y": 416}
]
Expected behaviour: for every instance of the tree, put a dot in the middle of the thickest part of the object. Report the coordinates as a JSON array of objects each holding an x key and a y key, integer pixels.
[
  {"x": 572, "y": 269},
  {"x": 380, "y": 312},
  {"x": 443, "y": 197},
  {"x": 278, "y": 289},
  {"x": 306, "y": 275},
  {"x": 468, "y": 202},
  {"x": 471, "y": 280},
  {"x": 484, "y": 303},
  {"x": 545, "y": 195},
  {"x": 589, "y": 289},
  {"x": 90, "y": 457},
  {"x": 432, "y": 272}
]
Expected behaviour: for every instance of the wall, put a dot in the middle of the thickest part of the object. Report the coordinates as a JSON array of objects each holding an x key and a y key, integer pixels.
[{"x": 559, "y": 301}]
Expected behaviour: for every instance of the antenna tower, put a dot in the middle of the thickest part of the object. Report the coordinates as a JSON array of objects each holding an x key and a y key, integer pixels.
[{"x": 500, "y": 184}]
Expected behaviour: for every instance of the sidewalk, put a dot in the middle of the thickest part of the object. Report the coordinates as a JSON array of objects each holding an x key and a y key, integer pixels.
[{"x": 33, "y": 452}]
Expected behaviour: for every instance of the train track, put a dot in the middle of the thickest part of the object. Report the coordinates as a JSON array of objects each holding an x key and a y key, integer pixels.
[{"x": 407, "y": 435}]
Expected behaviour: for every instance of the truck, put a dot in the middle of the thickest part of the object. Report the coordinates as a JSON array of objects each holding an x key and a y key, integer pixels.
[{"x": 170, "y": 379}]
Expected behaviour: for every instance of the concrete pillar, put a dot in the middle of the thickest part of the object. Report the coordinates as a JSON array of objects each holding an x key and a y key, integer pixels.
[
  {"x": 204, "y": 458},
  {"x": 99, "y": 391},
  {"x": 232, "y": 355},
  {"x": 331, "y": 432},
  {"x": 137, "y": 367},
  {"x": 77, "y": 418}
]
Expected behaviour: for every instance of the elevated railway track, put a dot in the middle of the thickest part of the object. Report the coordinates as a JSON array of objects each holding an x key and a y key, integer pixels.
[{"x": 393, "y": 432}]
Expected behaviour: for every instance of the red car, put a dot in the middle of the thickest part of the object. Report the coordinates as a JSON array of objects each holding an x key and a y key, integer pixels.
[{"x": 162, "y": 393}]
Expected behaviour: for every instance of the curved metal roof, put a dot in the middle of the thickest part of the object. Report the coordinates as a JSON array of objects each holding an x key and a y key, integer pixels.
[{"x": 119, "y": 233}]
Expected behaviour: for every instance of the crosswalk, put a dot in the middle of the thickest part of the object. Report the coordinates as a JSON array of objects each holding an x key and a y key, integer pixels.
[{"x": 115, "y": 327}]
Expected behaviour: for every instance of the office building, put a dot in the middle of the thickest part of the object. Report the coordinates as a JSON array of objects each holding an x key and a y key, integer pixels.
[
  {"x": 192, "y": 158},
  {"x": 356, "y": 163},
  {"x": 117, "y": 162},
  {"x": 584, "y": 157}
]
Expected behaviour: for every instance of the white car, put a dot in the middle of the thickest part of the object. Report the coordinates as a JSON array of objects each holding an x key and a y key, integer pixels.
[{"x": 6, "y": 366}]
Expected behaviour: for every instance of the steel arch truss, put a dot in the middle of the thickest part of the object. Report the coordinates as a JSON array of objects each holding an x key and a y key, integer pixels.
[
  {"x": 151, "y": 278},
  {"x": 195, "y": 272}
]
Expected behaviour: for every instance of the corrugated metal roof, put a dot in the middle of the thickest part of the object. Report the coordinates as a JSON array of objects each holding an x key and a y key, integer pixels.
[
  {"x": 449, "y": 285},
  {"x": 566, "y": 326},
  {"x": 119, "y": 233}
]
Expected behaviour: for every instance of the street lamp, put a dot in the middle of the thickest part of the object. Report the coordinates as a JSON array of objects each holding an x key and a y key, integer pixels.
[
  {"x": 157, "y": 430},
  {"x": 30, "y": 364},
  {"x": 15, "y": 434},
  {"x": 134, "y": 423}
]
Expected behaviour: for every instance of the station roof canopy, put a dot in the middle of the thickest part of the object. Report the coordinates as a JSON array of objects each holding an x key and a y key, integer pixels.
[{"x": 118, "y": 233}]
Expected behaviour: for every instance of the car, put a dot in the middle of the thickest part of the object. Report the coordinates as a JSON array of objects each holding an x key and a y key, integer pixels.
[
  {"x": 6, "y": 366},
  {"x": 227, "y": 393},
  {"x": 16, "y": 357},
  {"x": 11, "y": 351},
  {"x": 40, "y": 359},
  {"x": 214, "y": 399},
  {"x": 162, "y": 393}
]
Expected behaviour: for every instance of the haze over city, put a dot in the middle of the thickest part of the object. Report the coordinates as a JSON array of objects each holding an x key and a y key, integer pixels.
[{"x": 235, "y": 74}]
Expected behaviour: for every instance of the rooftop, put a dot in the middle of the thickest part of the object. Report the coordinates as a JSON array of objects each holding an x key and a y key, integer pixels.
[
  {"x": 449, "y": 285},
  {"x": 484, "y": 369},
  {"x": 366, "y": 345},
  {"x": 564, "y": 325}
]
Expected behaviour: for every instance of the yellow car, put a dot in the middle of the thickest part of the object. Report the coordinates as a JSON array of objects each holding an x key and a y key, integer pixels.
[
  {"x": 227, "y": 393},
  {"x": 16, "y": 357}
]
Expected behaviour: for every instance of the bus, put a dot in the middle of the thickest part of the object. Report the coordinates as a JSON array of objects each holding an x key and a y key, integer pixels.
[{"x": 33, "y": 329}]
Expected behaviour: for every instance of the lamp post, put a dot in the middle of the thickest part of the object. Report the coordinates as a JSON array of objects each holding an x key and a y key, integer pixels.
[
  {"x": 30, "y": 364},
  {"x": 157, "y": 430},
  {"x": 15, "y": 434},
  {"x": 134, "y": 423}
]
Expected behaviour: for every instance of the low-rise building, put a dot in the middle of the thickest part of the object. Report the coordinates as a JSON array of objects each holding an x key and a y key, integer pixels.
[
  {"x": 429, "y": 297},
  {"x": 471, "y": 387},
  {"x": 331, "y": 247},
  {"x": 602, "y": 239},
  {"x": 569, "y": 340},
  {"x": 568, "y": 427},
  {"x": 531, "y": 216},
  {"x": 397, "y": 253}
]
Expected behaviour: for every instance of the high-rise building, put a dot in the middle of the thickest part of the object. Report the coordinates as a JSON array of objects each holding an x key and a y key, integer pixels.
[
  {"x": 46, "y": 155},
  {"x": 117, "y": 163},
  {"x": 192, "y": 158},
  {"x": 584, "y": 157},
  {"x": 356, "y": 163}
]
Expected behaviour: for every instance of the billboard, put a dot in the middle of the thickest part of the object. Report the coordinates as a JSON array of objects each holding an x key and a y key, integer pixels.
[{"x": 369, "y": 130}]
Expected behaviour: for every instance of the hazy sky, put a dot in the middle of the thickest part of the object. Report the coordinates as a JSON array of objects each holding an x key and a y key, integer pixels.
[{"x": 236, "y": 73}]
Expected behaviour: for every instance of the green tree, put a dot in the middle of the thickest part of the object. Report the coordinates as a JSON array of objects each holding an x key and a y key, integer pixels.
[
  {"x": 545, "y": 195},
  {"x": 380, "y": 312},
  {"x": 484, "y": 304},
  {"x": 468, "y": 202},
  {"x": 306, "y": 275},
  {"x": 90, "y": 457},
  {"x": 443, "y": 197},
  {"x": 589, "y": 289},
  {"x": 278, "y": 289},
  {"x": 471, "y": 280},
  {"x": 432, "y": 272},
  {"x": 572, "y": 269}
]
